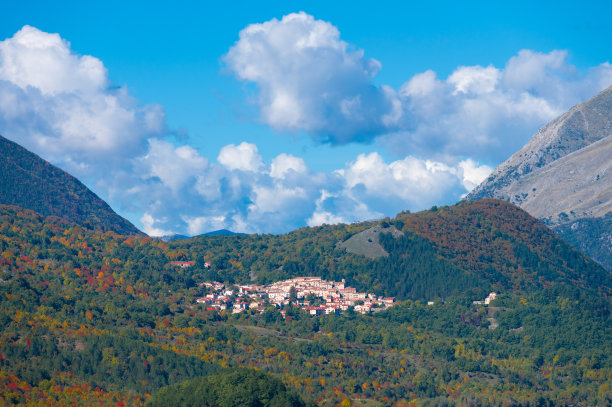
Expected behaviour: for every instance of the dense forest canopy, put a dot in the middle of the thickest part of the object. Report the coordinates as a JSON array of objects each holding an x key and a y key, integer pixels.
[{"x": 232, "y": 387}]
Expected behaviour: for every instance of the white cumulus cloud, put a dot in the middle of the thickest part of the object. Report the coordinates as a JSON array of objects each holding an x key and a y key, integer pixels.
[
  {"x": 173, "y": 166},
  {"x": 44, "y": 61},
  {"x": 309, "y": 79},
  {"x": 473, "y": 174},
  {"x": 474, "y": 79},
  {"x": 487, "y": 113},
  {"x": 58, "y": 103},
  {"x": 409, "y": 183}
]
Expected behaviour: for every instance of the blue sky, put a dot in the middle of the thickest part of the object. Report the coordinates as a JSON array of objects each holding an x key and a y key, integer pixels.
[{"x": 397, "y": 105}]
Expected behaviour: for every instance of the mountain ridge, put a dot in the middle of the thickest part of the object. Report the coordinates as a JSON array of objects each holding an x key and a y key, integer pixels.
[
  {"x": 30, "y": 182},
  {"x": 582, "y": 126}
]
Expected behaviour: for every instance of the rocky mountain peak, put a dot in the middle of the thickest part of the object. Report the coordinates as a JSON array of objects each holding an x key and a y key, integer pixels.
[{"x": 571, "y": 155}]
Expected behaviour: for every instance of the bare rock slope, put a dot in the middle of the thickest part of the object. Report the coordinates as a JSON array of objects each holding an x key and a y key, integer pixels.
[{"x": 564, "y": 172}]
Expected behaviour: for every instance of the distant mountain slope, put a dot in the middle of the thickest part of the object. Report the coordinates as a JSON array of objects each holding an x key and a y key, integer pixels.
[
  {"x": 564, "y": 173},
  {"x": 28, "y": 181},
  {"x": 221, "y": 232},
  {"x": 575, "y": 186},
  {"x": 591, "y": 235}
]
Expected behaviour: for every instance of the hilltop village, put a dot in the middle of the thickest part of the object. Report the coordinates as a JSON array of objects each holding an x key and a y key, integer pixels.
[{"x": 313, "y": 294}]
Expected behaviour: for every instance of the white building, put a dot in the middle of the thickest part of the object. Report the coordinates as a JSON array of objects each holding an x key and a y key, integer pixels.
[{"x": 490, "y": 298}]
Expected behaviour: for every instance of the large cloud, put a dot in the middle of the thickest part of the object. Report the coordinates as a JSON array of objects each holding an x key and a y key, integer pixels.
[
  {"x": 310, "y": 80},
  {"x": 60, "y": 103}
]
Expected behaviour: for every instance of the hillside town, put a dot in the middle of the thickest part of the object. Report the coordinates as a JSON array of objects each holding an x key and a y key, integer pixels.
[{"x": 313, "y": 294}]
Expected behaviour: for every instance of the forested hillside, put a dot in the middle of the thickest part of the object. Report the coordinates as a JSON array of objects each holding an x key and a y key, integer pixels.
[
  {"x": 28, "y": 181},
  {"x": 95, "y": 318},
  {"x": 476, "y": 247}
]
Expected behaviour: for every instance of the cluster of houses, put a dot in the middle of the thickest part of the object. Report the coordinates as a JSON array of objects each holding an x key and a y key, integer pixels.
[{"x": 313, "y": 294}]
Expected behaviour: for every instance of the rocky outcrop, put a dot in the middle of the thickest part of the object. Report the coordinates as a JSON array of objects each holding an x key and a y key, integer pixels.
[{"x": 366, "y": 243}]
